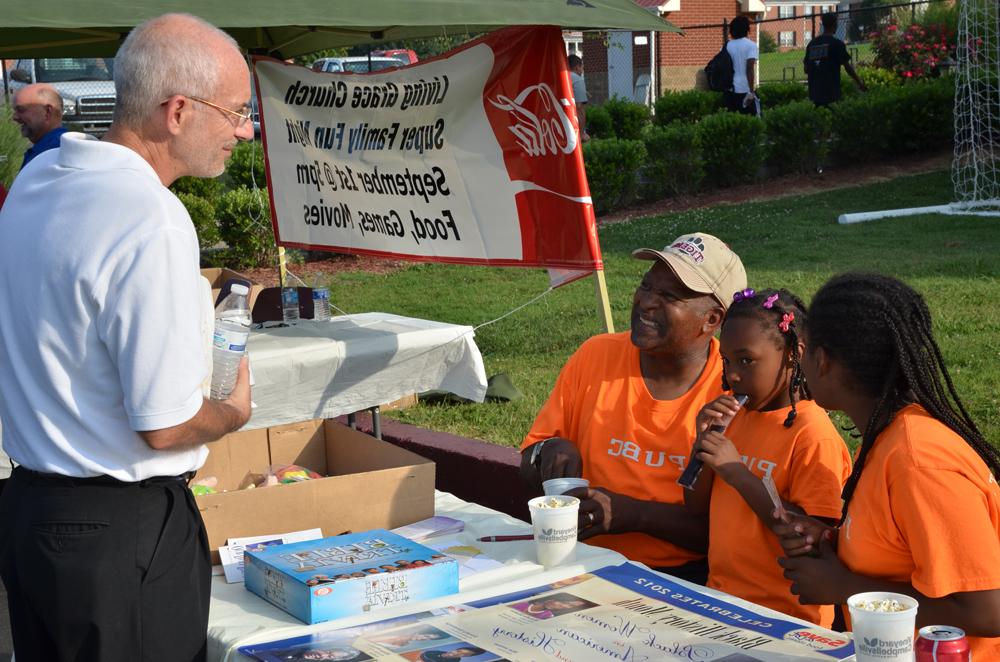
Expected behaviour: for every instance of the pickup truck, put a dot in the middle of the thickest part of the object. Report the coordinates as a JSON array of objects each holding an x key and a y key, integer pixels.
[{"x": 86, "y": 86}]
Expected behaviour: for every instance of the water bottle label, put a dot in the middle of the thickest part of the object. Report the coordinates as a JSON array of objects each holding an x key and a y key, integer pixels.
[
  {"x": 321, "y": 294},
  {"x": 233, "y": 341},
  {"x": 290, "y": 296}
]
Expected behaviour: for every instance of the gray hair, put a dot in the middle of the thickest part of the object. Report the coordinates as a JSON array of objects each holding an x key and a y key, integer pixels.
[{"x": 167, "y": 55}]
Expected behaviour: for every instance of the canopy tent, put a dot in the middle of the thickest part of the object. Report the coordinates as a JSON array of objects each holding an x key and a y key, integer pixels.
[{"x": 287, "y": 28}]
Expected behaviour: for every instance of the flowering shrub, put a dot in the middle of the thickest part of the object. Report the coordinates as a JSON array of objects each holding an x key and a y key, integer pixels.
[{"x": 914, "y": 51}]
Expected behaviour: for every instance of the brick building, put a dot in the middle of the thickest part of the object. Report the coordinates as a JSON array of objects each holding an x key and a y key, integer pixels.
[
  {"x": 620, "y": 63},
  {"x": 794, "y": 24}
]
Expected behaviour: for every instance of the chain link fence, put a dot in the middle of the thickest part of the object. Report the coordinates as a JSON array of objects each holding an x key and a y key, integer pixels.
[{"x": 784, "y": 34}]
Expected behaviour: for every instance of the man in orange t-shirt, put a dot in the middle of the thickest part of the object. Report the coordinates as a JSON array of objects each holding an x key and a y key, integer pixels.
[{"x": 622, "y": 413}]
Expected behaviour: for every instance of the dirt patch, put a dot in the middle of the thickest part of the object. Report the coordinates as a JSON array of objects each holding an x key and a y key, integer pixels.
[
  {"x": 778, "y": 187},
  {"x": 787, "y": 185}
]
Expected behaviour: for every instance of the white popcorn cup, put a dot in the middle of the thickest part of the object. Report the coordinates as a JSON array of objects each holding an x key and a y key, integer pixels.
[
  {"x": 554, "y": 529},
  {"x": 556, "y": 486},
  {"x": 883, "y": 636}
]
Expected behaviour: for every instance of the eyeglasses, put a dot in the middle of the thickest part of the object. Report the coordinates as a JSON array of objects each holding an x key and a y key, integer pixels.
[{"x": 245, "y": 114}]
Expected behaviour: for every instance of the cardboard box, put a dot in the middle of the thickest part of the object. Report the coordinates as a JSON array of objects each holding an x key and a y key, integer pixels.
[
  {"x": 217, "y": 277},
  {"x": 371, "y": 484},
  {"x": 319, "y": 580}
]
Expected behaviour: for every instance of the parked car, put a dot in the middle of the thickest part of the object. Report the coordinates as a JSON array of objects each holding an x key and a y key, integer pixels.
[
  {"x": 404, "y": 55},
  {"x": 359, "y": 65},
  {"x": 86, "y": 86}
]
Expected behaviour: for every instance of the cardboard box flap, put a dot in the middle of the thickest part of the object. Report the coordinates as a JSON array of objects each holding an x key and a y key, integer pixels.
[
  {"x": 349, "y": 451},
  {"x": 301, "y": 444},
  {"x": 235, "y": 457}
]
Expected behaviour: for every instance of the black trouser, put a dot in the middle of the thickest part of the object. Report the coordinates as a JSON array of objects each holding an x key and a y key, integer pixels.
[
  {"x": 733, "y": 101},
  {"x": 97, "y": 569},
  {"x": 695, "y": 571}
]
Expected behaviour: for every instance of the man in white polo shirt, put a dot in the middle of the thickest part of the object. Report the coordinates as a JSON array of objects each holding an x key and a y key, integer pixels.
[{"x": 103, "y": 551}]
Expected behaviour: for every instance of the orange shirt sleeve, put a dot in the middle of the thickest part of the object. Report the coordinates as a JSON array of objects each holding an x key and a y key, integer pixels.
[
  {"x": 946, "y": 520},
  {"x": 556, "y": 415},
  {"x": 820, "y": 467}
]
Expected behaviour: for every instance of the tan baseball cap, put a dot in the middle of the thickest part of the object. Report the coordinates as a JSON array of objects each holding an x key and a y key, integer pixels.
[{"x": 703, "y": 263}]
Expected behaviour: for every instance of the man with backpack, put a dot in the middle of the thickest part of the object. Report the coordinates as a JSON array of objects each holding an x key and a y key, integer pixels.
[
  {"x": 824, "y": 56},
  {"x": 732, "y": 71}
]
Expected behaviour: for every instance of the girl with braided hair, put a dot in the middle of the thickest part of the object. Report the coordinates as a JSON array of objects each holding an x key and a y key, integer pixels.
[
  {"x": 779, "y": 436},
  {"x": 921, "y": 512}
]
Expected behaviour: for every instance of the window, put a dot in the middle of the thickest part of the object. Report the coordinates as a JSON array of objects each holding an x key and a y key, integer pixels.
[
  {"x": 807, "y": 36},
  {"x": 786, "y": 38},
  {"x": 784, "y": 11}
]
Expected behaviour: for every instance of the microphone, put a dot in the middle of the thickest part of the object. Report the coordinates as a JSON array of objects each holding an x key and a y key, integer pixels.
[{"x": 690, "y": 475}]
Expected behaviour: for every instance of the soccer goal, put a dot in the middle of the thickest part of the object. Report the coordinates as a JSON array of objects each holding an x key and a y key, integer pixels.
[{"x": 975, "y": 168}]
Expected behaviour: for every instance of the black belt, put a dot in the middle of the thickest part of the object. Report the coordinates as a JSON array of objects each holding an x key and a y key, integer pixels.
[{"x": 104, "y": 480}]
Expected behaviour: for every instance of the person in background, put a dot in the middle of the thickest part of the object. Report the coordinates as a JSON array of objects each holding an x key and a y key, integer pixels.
[
  {"x": 38, "y": 108},
  {"x": 622, "y": 413},
  {"x": 104, "y": 553},
  {"x": 744, "y": 53},
  {"x": 780, "y": 435},
  {"x": 824, "y": 56},
  {"x": 921, "y": 512},
  {"x": 579, "y": 93}
]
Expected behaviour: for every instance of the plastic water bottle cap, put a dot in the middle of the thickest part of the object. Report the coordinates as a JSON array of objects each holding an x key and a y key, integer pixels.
[{"x": 238, "y": 288}]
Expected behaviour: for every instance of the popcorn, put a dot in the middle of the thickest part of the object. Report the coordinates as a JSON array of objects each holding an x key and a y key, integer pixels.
[
  {"x": 881, "y": 606},
  {"x": 553, "y": 502}
]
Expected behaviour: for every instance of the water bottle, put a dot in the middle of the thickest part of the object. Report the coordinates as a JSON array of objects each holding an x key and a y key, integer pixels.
[
  {"x": 290, "y": 304},
  {"x": 229, "y": 343},
  {"x": 321, "y": 304}
]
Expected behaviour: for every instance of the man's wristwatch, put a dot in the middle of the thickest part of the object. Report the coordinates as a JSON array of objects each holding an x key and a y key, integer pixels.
[{"x": 536, "y": 453}]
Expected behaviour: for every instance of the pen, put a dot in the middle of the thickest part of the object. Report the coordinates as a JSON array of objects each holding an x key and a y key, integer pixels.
[{"x": 528, "y": 536}]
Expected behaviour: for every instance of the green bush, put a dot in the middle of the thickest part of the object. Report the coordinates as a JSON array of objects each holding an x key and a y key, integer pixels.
[
  {"x": 245, "y": 225},
  {"x": 627, "y": 117},
  {"x": 732, "y": 146},
  {"x": 686, "y": 106},
  {"x": 873, "y": 77},
  {"x": 599, "y": 122},
  {"x": 202, "y": 213},
  {"x": 768, "y": 44},
  {"x": 673, "y": 161},
  {"x": 773, "y": 95},
  {"x": 201, "y": 187},
  {"x": 613, "y": 171},
  {"x": 12, "y": 146},
  {"x": 862, "y": 125},
  {"x": 246, "y": 166},
  {"x": 799, "y": 134},
  {"x": 925, "y": 119}
]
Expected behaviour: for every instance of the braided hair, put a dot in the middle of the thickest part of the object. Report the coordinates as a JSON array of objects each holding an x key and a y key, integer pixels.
[
  {"x": 879, "y": 329},
  {"x": 781, "y": 314}
]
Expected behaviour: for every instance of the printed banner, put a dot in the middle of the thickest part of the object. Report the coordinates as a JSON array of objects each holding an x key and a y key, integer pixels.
[
  {"x": 623, "y": 613},
  {"x": 472, "y": 157}
]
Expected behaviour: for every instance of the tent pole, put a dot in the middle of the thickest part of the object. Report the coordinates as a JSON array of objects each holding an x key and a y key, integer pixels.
[
  {"x": 603, "y": 304},
  {"x": 282, "y": 267}
]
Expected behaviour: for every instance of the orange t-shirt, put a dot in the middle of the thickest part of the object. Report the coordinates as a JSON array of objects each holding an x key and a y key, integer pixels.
[
  {"x": 809, "y": 464},
  {"x": 926, "y": 512},
  {"x": 630, "y": 442}
]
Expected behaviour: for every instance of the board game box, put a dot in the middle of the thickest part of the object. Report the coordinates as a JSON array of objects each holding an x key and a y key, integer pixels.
[{"x": 319, "y": 580}]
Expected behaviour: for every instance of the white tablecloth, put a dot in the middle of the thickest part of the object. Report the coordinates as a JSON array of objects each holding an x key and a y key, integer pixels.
[
  {"x": 325, "y": 369},
  {"x": 238, "y": 617}
]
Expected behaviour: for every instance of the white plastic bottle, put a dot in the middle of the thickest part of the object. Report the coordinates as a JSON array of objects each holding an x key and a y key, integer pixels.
[
  {"x": 290, "y": 305},
  {"x": 232, "y": 327},
  {"x": 321, "y": 304}
]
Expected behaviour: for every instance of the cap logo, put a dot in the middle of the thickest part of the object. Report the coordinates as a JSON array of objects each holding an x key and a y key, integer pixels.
[{"x": 693, "y": 247}]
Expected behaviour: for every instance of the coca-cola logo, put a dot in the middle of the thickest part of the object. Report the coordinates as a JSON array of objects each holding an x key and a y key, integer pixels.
[{"x": 540, "y": 125}]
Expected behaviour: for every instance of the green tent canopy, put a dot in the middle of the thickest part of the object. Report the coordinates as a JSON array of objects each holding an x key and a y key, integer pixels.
[{"x": 286, "y": 28}]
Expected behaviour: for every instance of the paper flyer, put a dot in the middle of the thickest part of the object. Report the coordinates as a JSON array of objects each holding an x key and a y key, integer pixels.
[{"x": 623, "y": 613}]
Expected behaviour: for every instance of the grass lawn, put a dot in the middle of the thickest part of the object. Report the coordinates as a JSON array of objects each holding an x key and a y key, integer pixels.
[
  {"x": 787, "y": 66},
  {"x": 793, "y": 242}
]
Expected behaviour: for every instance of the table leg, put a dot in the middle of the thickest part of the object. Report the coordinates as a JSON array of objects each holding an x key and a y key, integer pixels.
[{"x": 376, "y": 422}]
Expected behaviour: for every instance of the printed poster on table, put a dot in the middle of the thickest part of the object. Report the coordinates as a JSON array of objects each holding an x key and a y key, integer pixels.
[
  {"x": 471, "y": 157},
  {"x": 623, "y": 613}
]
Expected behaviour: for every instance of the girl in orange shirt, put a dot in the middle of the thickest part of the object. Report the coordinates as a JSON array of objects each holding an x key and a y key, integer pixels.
[
  {"x": 780, "y": 436},
  {"x": 921, "y": 510}
]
